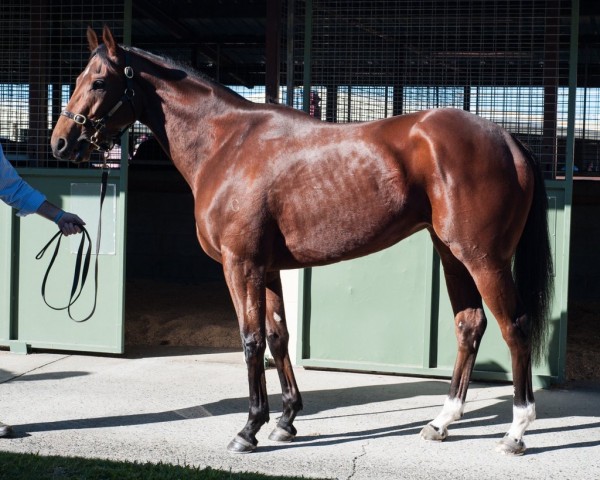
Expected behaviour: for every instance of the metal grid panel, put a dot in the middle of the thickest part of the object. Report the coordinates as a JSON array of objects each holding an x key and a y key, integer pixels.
[
  {"x": 587, "y": 132},
  {"x": 43, "y": 48},
  {"x": 506, "y": 60}
]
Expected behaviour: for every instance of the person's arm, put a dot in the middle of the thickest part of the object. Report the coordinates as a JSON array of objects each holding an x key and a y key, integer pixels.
[
  {"x": 69, "y": 223},
  {"x": 17, "y": 193}
]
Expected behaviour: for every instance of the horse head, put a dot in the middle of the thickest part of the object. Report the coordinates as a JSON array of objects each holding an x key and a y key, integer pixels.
[{"x": 101, "y": 107}]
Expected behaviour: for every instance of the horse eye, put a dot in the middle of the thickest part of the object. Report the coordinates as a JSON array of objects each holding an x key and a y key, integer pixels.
[{"x": 98, "y": 85}]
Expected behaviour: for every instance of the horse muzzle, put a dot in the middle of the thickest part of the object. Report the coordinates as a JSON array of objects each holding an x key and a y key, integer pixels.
[{"x": 77, "y": 153}]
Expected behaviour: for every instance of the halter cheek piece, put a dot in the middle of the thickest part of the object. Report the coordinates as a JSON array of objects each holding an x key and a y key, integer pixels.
[{"x": 99, "y": 125}]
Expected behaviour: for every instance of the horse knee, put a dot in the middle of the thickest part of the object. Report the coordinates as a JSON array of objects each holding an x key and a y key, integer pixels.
[
  {"x": 470, "y": 327},
  {"x": 254, "y": 345}
]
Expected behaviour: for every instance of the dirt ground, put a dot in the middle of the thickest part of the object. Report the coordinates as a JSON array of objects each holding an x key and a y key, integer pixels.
[
  {"x": 583, "y": 342},
  {"x": 202, "y": 315},
  {"x": 161, "y": 313}
]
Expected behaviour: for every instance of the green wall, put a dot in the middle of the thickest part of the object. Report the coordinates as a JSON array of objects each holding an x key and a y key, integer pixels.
[{"x": 25, "y": 320}]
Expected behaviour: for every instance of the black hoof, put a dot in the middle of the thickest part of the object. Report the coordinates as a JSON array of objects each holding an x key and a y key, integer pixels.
[
  {"x": 281, "y": 435},
  {"x": 240, "y": 445}
]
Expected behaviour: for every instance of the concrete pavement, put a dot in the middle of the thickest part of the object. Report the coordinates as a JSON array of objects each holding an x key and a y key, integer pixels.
[{"x": 183, "y": 405}]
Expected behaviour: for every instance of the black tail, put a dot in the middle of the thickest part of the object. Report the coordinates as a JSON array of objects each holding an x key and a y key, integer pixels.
[{"x": 532, "y": 268}]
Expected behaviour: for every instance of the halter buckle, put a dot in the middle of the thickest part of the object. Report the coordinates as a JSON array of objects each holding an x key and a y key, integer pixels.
[
  {"x": 128, "y": 72},
  {"x": 79, "y": 119}
]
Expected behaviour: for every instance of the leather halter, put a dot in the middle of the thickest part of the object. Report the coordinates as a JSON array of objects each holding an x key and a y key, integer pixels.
[{"x": 99, "y": 125}]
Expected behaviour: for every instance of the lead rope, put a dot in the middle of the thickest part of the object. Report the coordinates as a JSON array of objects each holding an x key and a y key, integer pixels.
[{"x": 82, "y": 264}]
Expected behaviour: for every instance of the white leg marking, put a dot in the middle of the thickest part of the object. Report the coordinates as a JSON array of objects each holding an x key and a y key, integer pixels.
[
  {"x": 522, "y": 418},
  {"x": 453, "y": 410}
]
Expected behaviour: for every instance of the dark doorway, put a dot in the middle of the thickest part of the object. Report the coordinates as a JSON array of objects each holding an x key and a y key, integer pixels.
[{"x": 175, "y": 294}]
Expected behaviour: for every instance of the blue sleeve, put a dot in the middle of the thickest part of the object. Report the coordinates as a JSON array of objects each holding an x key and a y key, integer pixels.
[{"x": 15, "y": 191}]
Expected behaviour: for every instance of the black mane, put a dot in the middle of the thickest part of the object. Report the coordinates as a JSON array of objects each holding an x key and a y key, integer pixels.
[{"x": 178, "y": 65}]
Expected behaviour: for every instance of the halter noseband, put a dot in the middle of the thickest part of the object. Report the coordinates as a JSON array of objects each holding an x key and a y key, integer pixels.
[{"x": 98, "y": 125}]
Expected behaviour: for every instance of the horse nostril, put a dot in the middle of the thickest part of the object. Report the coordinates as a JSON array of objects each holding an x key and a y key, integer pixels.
[
  {"x": 59, "y": 147},
  {"x": 61, "y": 144}
]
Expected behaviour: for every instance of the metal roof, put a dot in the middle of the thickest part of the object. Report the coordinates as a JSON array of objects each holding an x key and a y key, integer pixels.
[{"x": 226, "y": 38}]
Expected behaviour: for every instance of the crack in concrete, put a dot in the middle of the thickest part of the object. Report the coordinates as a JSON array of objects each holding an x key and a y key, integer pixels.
[{"x": 356, "y": 458}]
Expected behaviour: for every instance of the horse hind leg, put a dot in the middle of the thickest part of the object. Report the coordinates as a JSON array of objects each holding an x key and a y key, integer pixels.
[
  {"x": 516, "y": 331},
  {"x": 470, "y": 324},
  {"x": 495, "y": 282},
  {"x": 278, "y": 338}
]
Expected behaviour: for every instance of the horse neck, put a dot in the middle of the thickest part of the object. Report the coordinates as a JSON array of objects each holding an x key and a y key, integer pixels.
[{"x": 180, "y": 109}]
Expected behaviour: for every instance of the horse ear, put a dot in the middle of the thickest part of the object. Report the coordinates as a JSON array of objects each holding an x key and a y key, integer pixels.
[
  {"x": 92, "y": 39},
  {"x": 109, "y": 41}
]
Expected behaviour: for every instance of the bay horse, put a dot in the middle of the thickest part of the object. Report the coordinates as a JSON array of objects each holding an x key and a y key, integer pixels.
[{"x": 277, "y": 189}]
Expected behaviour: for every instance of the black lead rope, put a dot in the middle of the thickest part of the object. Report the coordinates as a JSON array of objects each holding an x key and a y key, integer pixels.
[{"x": 82, "y": 263}]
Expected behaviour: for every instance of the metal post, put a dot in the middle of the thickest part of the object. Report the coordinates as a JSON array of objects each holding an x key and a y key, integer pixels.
[
  {"x": 331, "y": 105},
  {"x": 467, "y": 98},
  {"x": 290, "y": 54},
  {"x": 272, "y": 51},
  {"x": 398, "y": 100},
  {"x": 550, "y": 72},
  {"x": 572, "y": 99},
  {"x": 37, "y": 138},
  {"x": 568, "y": 182},
  {"x": 308, "y": 19}
]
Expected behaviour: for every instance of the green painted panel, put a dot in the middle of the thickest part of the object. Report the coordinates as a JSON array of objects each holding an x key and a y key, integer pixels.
[
  {"x": 370, "y": 310},
  {"x": 37, "y": 325},
  {"x": 5, "y": 270}
]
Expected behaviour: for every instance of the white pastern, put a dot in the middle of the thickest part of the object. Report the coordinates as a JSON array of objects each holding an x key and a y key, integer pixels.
[
  {"x": 522, "y": 418},
  {"x": 453, "y": 410}
]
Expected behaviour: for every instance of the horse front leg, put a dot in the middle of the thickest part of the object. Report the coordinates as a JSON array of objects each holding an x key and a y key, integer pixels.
[
  {"x": 278, "y": 339},
  {"x": 246, "y": 283}
]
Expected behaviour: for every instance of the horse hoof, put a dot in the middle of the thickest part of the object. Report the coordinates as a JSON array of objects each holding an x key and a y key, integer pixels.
[
  {"x": 5, "y": 430},
  {"x": 240, "y": 445},
  {"x": 430, "y": 433},
  {"x": 281, "y": 435},
  {"x": 510, "y": 446}
]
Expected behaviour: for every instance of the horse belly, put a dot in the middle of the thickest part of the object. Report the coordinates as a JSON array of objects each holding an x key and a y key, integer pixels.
[{"x": 344, "y": 218}]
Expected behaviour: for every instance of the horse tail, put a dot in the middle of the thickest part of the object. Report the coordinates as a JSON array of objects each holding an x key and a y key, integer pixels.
[{"x": 532, "y": 267}]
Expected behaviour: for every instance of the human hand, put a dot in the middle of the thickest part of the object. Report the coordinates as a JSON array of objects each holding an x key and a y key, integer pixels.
[{"x": 70, "y": 224}]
